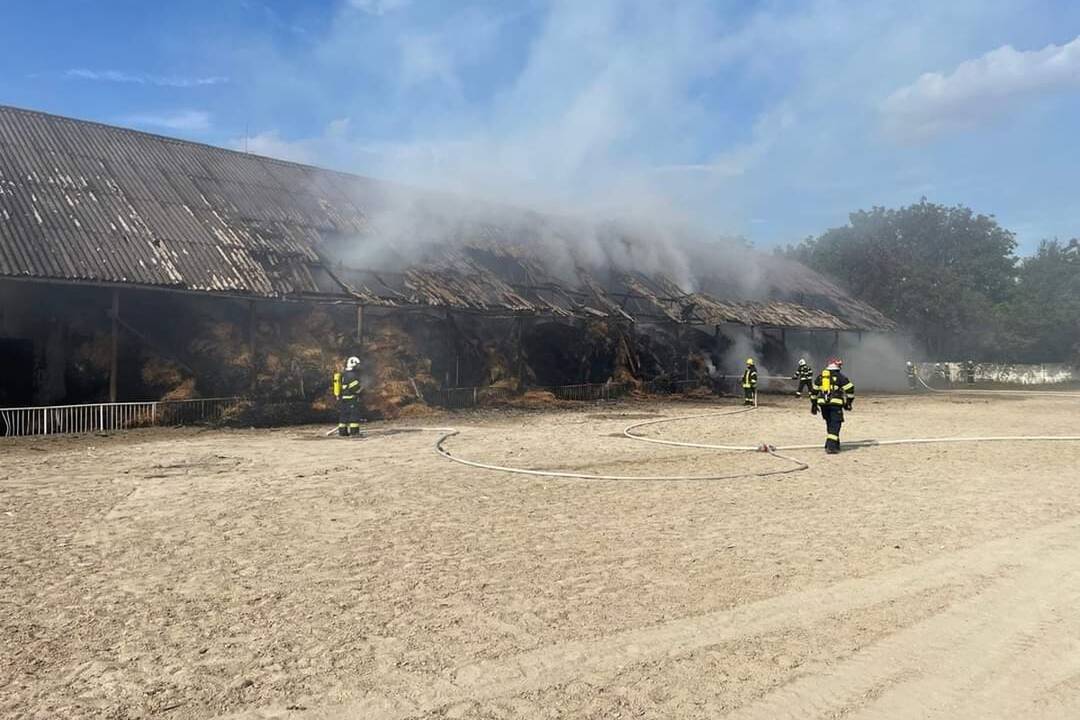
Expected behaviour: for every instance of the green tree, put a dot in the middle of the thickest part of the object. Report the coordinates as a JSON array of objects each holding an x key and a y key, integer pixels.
[
  {"x": 1041, "y": 322},
  {"x": 938, "y": 271}
]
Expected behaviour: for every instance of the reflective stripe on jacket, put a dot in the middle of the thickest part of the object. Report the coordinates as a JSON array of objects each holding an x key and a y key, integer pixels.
[{"x": 350, "y": 385}]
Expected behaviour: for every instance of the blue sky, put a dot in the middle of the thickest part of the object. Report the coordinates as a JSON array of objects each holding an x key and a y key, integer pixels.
[{"x": 772, "y": 120}]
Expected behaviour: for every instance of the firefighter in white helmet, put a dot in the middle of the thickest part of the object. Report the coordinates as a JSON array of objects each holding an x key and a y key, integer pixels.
[
  {"x": 347, "y": 389},
  {"x": 805, "y": 375},
  {"x": 912, "y": 376}
]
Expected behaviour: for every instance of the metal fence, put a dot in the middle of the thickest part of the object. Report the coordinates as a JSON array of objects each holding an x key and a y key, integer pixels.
[
  {"x": 454, "y": 398},
  {"x": 106, "y": 417},
  {"x": 672, "y": 387},
  {"x": 588, "y": 392},
  {"x": 467, "y": 397}
]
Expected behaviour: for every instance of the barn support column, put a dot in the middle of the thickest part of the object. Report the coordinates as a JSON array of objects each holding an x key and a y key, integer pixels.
[
  {"x": 114, "y": 315},
  {"x": 519, "y": 352},
  {"x": 360, "y": 325},
  {"x": 251, "y": 346}
]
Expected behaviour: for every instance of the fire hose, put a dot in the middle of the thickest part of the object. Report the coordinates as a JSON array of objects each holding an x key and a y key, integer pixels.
[
  {"x": 628, "y": 432},
  {"x": 445, "y": 433}
]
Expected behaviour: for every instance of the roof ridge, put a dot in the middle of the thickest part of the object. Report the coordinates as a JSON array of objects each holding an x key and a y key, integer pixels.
[{"x": 182, "y": 141}]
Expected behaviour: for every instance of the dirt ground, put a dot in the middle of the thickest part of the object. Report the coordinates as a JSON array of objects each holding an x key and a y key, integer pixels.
[{"x": 281, "y": 574}]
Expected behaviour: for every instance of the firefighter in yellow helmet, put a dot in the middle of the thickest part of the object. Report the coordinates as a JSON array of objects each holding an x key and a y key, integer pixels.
[
  {"x": 831, "y": 395},
  {"x": 347, "y": 388},
  {"x": 749, "y": 382}
]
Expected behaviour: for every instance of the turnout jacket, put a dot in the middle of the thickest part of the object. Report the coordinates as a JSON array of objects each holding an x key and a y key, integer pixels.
[
  {"x": 749, "y": 377},
  {"x": 832, "y": 387},
  {"x": 803, "y": 372},
  {"x": 350, "y": 385}
]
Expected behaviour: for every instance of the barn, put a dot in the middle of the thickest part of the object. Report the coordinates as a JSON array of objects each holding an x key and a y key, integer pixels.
[{"x": 139, "y": 267}]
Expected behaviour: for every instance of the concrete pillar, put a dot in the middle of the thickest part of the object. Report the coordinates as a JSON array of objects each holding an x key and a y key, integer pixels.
[
  {"x": 114, "y": 314},
  {"x": 251, "y": 345}
]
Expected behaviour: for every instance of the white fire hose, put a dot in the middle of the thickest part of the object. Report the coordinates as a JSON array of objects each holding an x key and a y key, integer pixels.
[{"x": 445, "y": 433}]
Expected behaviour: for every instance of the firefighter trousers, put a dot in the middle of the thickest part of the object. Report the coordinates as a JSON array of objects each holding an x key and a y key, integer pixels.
[
  {"x": 833, "y": 415},
  {"x": 806, "y": 385},
  {"x": 349, "y": 416},
  {"x": 748, "y": 395}
]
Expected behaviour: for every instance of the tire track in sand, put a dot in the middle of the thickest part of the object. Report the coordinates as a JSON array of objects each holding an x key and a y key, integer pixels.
[
  {"x": 991, "y": 655},
  {"x": 926, "y": 669}
]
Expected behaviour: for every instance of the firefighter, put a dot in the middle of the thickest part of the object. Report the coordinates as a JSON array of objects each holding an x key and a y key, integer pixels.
[
  {"x": 805, "y": 375},
  {"x": 912, "y": 376},
  {"x": 969, "y": 372},
  {"x": 941, "y": 372},
  {"x": 347, "y": 390},
  {"x": 832, "y": 394},
  {"x": 749, "y": 383}
]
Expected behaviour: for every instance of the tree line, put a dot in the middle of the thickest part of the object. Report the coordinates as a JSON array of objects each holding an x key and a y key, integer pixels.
[{"x": 952, "y": 280}]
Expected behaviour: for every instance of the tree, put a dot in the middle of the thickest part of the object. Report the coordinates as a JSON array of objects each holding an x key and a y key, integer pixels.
[
  {"x": 939, "y": 271},
  {"x": 1041, "y": 322}
]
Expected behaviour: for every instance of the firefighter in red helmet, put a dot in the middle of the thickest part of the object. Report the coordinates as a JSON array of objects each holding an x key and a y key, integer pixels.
[{"x": 832, "y": 394}]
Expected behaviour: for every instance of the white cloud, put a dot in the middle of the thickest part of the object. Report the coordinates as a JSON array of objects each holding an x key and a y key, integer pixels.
[
  {"x": 980, "y": 89},
  {"x": 378, "y": 7},
  {"x": 119, "y": 76},
  {"x": 181, "y": 120},
  {"x": 768, "y": 129},
  {"x": 725, "y": 112},
  {"x": 271, "y": 144},
  {"x": 426, "y": 57},
  {"x": 312, "y": 150}
]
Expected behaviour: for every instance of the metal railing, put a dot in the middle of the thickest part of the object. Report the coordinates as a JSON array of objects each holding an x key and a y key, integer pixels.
[
  {"x": 107, "y": 417},
  {"x": 467, "y": 397},
  {"x": 455, "y": 398},
  {"x": 673, "y": 387},
  {"x": 589, "y": 392}
]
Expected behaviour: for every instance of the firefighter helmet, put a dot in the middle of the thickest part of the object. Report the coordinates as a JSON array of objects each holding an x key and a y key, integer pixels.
[
  {"x": 802, "y": 361},
  {"x": 834, "y": 364},
  {"x": 749, "y": 361},
  {"x": 352, "y": 362}
]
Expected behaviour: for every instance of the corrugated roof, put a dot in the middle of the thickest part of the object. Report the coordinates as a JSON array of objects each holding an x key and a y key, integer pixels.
[{"x": 85, "y": 202}]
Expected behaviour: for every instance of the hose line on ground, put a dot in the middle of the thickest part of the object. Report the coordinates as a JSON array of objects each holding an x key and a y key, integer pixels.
[
  {"x": 975, "y": 391},
  {"x": 628, "y": 432},
  {"x": 445, "y": 433}
]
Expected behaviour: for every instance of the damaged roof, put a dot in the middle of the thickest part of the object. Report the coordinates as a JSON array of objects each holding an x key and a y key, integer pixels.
[{"x": 85, "y": 202}]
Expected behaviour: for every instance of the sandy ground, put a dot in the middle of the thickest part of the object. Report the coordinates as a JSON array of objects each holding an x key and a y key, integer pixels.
[{"x": 280, "y": 574}]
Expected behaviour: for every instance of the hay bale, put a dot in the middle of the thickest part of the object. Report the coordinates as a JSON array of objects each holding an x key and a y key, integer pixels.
[
  {"x": 184, "y": 391},
  {"x": 158, "y": 372}
]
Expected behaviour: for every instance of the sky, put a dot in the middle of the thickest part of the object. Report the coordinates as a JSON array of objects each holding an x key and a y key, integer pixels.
[{"x": 770, "y": 120}]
